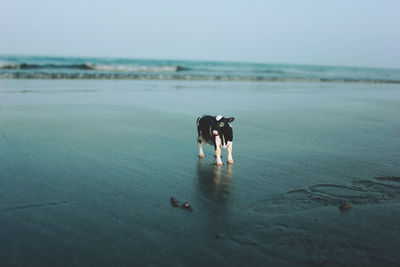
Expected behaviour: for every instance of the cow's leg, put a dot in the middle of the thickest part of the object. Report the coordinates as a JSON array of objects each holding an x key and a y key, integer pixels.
[
  {"x": 201, "y": 153},
  {"x": 229, "y": 148},
  {"x": 218, "y": 150}
]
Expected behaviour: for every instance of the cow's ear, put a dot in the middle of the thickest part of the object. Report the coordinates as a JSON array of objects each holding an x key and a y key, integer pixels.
[{"x": 231, "y": 119}]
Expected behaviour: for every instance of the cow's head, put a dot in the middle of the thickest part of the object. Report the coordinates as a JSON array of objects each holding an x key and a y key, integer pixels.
[{"x": 224, "y": 127}]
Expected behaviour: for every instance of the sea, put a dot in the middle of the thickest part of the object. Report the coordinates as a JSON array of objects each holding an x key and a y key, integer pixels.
[{"x": 40, "y": 67}]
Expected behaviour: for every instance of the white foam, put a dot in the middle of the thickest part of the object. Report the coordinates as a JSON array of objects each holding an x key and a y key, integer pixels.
[
  {"x": 7, "y": 65},
  {"x": 136, "y": 68}
]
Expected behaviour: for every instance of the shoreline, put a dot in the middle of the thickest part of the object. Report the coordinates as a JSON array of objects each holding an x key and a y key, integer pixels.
[{"x": 95, "y": 76}]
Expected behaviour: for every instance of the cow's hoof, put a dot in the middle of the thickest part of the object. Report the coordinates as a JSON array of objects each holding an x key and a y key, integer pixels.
[
  {"x": 202, "y": 156},
  {"x": 230, "y": 161},
  {"x": 220, "y": 163}
]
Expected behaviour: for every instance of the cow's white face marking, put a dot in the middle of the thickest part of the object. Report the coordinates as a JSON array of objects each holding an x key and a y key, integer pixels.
[{"x": 218, "y": 117}]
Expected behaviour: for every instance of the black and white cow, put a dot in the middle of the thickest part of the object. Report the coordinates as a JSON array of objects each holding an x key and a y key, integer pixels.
[{"x": 215, "y": 130}]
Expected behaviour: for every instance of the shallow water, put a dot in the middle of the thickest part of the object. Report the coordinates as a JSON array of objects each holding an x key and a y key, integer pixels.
[{"x": 88, "y": 169}]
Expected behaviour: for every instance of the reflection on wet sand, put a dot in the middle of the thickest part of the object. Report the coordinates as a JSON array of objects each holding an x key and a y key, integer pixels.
[
  {"x": 214, "y": 182},
  {"x": 214, "y": 189}
]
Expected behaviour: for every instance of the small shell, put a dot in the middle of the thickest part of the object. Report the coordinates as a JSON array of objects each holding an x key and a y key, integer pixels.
[{"x": 187, "y": 206}]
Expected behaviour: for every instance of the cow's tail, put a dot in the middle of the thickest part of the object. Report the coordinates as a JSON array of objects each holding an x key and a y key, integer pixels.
[{"x": 198, "y": 130}]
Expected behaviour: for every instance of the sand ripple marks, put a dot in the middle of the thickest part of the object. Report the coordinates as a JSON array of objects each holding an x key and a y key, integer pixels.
[{"x": 377, "y": 190}]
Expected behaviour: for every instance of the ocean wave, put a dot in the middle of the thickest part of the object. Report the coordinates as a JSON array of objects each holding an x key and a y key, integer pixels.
[
  {"x": 135, "y": 76},
  {"x": 27, "y": 66},
  {"x": 273, "y": 72},
  {"x": 90, "y": 66}
]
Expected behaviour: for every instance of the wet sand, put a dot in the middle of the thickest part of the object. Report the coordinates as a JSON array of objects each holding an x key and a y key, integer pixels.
[{"x": 88, "y": 169}]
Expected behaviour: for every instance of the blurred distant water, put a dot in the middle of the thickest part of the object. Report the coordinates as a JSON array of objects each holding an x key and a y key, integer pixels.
[{"x": 33, "y": 67}]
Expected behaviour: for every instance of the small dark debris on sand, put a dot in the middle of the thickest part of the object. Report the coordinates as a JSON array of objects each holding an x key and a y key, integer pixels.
[
  {"x": 219, "y": 236},
  {"x": 344, "y": 207},
  {"x": 174, "y": 202},
  {"x": 187, "y": 206}
]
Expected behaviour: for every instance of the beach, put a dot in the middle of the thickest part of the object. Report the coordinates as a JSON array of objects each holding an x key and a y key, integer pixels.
[{"x": 88, "y": 167}]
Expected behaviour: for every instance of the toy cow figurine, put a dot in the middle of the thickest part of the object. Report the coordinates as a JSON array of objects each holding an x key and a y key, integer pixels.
[{"x": 217, "y": 131}]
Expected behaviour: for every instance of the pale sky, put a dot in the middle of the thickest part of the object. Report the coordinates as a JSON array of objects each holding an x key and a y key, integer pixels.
[{"x": 319, "y": 32}]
